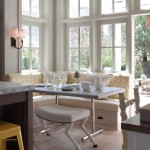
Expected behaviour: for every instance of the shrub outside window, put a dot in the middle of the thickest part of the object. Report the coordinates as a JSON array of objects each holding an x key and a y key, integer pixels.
[{"x": 30, "y": 53}]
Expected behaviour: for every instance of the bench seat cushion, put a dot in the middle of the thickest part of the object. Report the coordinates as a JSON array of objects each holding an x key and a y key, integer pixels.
[
  {"x": 111, "y": 104},
  {"x": 58, "y": 113}
]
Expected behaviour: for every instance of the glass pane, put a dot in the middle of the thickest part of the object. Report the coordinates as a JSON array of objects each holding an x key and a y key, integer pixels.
[
  {"x": 106, "y": 35},
  {"x": 73, "y": 8},
  {"x": 106, "y": 6},
  {"x": 123, "y": 59},
  {"x": 26, "y": 39},
  {"x": 119, "y": 5},
  {"x": 120, "y": 34},
  {"x": 84, "y": 36},
  {"x": 120, "y": 59},
  {"x": 84, "y": 8},
  {"x": 73, "y": 37},
  {"x": 25, "y": 59},
  {"x": 25, "y": 7},
  {"x": 145, "y": 4},
  {"x": 107, "y": 61},
  {"x": 35, "y": 8},
  {"x": 84, "y": 59},
  {"x": 35, "y": 36},
  {"x": 73, "y": 59},
  {"x": 35, "y": 58}
]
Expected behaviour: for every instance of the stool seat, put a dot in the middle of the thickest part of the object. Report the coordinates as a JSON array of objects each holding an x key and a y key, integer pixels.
[
  {"x": 62, "y": 114},
  {"x": 8, "y": 130},
  {"x": 66, "y": 116}
]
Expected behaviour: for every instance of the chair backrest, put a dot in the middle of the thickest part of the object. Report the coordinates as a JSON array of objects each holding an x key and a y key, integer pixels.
[{"x": 123, "y": 106}]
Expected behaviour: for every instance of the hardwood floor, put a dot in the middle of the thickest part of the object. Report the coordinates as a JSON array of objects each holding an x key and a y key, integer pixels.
[{"x": 107, "y": 140}]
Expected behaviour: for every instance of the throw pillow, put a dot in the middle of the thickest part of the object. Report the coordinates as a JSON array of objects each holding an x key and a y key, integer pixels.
[
  {"x": 106, "y": 78},
  {"x": 48, "y": 75},
  {"x": 90, "y": 77}
]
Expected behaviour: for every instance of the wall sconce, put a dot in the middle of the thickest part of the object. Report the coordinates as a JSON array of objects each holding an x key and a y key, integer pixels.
[{"x": 16, "y": 35}]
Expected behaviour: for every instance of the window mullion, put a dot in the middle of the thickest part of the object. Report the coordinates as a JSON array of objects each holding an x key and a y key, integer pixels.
[
  {"x": 79, "y": 48},
  {"x": 113, "y": 45},
  {"x": 30, "y": 45},
  {"x": 30, "y": 5},
  {"x": 113, "y": 7},
  {"x": 78, "y": 8}
]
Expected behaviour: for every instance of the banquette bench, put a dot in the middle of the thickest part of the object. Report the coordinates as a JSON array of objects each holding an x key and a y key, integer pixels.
[{"x": 107, "y": 110}]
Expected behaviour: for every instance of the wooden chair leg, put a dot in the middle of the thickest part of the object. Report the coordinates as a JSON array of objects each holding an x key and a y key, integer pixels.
[
  {"x": 3, "y": 145},
  {"x": 20, "y": 141},
  {"x": 67, "y": 132},
  {"x": 82, "y": 123}
]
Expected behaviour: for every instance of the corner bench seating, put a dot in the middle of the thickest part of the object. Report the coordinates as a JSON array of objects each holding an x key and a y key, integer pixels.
[{"x": 107, "y": 111}]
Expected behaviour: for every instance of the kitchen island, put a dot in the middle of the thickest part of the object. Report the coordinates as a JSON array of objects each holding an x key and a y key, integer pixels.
[
  {"x": 138, "y": 133},
  {"x": 16, "y": 106}
]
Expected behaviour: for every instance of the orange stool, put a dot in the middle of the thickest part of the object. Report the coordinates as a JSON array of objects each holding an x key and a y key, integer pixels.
[{"x": 8, "y": 130}]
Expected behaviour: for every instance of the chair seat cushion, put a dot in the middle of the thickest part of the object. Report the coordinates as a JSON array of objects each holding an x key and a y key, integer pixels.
[{"x": 62, "y": 114}]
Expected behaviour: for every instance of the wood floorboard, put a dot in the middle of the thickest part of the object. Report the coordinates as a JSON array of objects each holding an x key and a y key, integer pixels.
[{"x": 107, "y": 140}]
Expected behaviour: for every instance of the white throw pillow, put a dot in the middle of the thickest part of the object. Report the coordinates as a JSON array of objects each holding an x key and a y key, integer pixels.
[
  {"x": 90, "y": 77},
  {"x": 106, "y": 78}
]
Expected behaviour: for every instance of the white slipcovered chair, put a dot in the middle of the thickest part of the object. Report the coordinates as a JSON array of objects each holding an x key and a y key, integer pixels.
[
  {"x": 67, "y": 116},
  {"x": 123, "y": 106}
]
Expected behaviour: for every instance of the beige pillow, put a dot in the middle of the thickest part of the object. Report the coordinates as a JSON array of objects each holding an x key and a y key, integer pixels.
[
  {"x": 49, "y": 75},
  {"x": 62, "y": 74}
]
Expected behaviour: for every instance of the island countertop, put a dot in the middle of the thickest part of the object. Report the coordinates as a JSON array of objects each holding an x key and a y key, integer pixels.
[
  {"x": 134, "y": 124},
  {"x": 9, "y": 87}
]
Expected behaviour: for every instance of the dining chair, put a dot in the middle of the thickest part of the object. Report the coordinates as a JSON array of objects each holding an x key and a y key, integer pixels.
[
  {"x": 123, "y": 106},
  {"x": 66, "y": 116}
]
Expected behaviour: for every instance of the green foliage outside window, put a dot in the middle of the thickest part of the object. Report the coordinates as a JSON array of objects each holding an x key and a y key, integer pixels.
[
  {"x": 25, "y": 59},
  {"x": 142, "y": 43}
]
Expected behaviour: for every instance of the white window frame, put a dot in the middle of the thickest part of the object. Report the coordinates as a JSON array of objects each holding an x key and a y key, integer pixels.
[
  {"x": 67, "y": 33},
  {"x": 141, "y": 5},
  {"x": 31, "y": 48},
  {"x": 113, "y": 12},
  {"x": 68, "y": 10},
  {"x": 99, "y": 45},
  {"x": 38, "y": 22}
]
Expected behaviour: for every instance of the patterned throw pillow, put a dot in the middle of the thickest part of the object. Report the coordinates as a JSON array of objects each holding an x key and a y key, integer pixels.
[
  {"x": 51, "y": 75},
  {"x": 121, "y": 81}
]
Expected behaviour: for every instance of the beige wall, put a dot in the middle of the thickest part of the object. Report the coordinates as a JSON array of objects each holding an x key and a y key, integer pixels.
[
  {"x": 9, "y": 20},
  {"x": 2, "y": 56}
]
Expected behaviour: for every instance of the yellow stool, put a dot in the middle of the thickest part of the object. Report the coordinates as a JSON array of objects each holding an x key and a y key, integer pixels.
[{"x": 8, "y": 130}]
